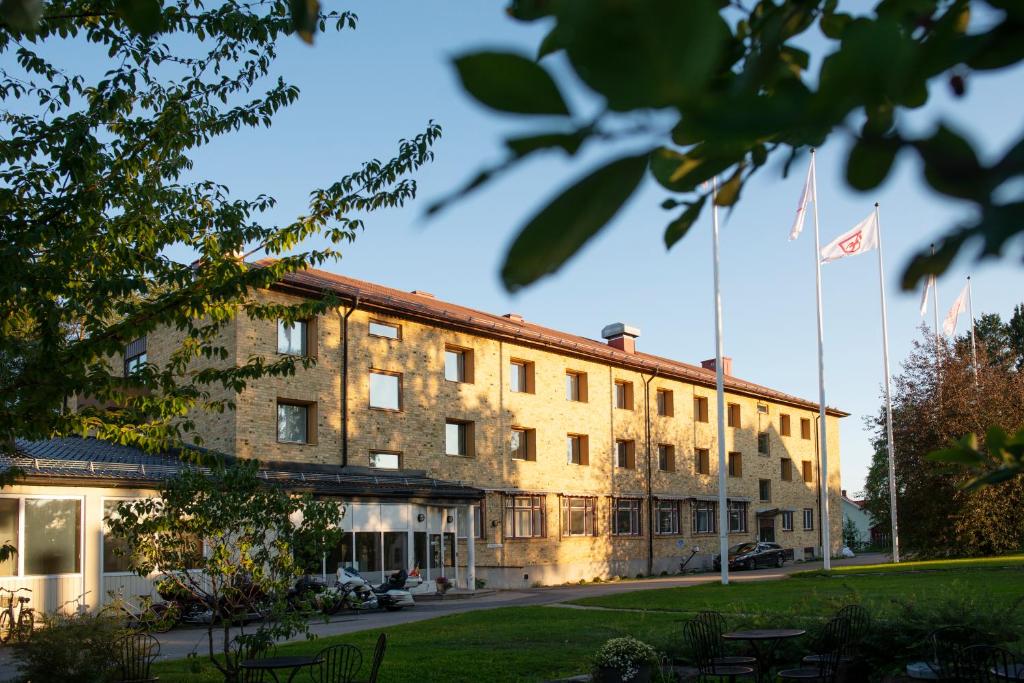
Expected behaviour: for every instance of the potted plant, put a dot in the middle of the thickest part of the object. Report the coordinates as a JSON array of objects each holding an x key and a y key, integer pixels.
[
  {"x": 443, "y": 584},
  {"x": 624, "y": 659}
]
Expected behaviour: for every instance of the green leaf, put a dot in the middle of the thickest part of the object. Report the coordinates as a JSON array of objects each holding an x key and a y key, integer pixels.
[
  {"x": 956, "y": 455},
  {"x": 563, "y": 226},
  {"x": 569, "y": 142},
  {"x": 925, "y": 263},
  {"x": 142, "y": 16},
  {"x": 510, "y": 83},
  {"x": 680, "y": 172},
  {"x": 22, "y": 15},
  {"x": 869, "y": 162},
  {"x": 729, "y": 193},
  {"x": 833, "y": 25},
  {"x": 951, "y": 165},
  {"x": 678, "y": 228},
  {"x": 305, "y": 18},
  {"x": 552, "y": 42}
]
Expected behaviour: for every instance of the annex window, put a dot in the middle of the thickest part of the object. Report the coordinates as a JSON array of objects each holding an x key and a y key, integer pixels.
[
  {"x": 808, "y": 471},
  {"x": 134, "y": 356},
  {"x": 623, "y": 395},
  {"x": 763, "y": 444},
  {"x": 764, "y": 489},
  {"x": 664, "y": 403},
  {"x": 805, "y": 428},
  {"x": 53, "y": 536},
  {"x": 458, "y": 364},
  {"x": 666, "y": 457},
  {"x": 523, "y": 443},
  {"x": 462, "y": 527},
  {"x": 762, "y": 408},
  {"x": 784, "y": 429},
  {"x": 733, "y": 414},
  {"x": 703, "y": 461},
  {"x": 666, "y": 517},
  {"x": 705, "y": 517},
  {"x": 524, "y": 517},
  {"x": 808, "y": 519},
  {"x": 520, "y": 377},
  {"x": 386, "y": 330},
  {"x": 294, "y": 339},
  {"x": 737, "y": 517},
  {"x": 296, "y": 421},
  {"x": 787, "y": 469},
  {"x": 577, "y": 449},
  {"x": 575, "y": 386},
  {"x": 625, "y": 454},
  {"x": 115, "y": 548},
  {"x": 787, "y": 520},
  {"x": 9, "y": 534},
  {"x": 385, "y": 460},
  {"x": 458, "y": 437},
  {"x": 735, "y": 464},
  {"x": 385, "y": 390},
  {"x": 700, "y": 408},
  {"x": 626, "y": 517},
  {"x": 578, "y": 516}
]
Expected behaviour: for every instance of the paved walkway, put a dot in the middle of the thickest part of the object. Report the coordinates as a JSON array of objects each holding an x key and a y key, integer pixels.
[{"x": 181, "y": 641}]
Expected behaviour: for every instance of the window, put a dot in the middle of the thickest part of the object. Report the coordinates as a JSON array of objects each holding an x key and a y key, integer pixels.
[
  {"x": 296, "y": 422},
  {"x": 520, "y": 377},
  {"x": 808, "y": 471},
  {"x": 705, "y": 517},
  {"x": 787, "y": 520},
  {"x": 700, "y": 408},
  {"x": 624, "y": 395},
  {"x": 575, "y": 386},
  {"x": 763, "y": 444},
  {"x": 134, "y": 356},
  {"x": 733, "y": 414},
  {"x": 523, "y": 443},
  {"x": 9, "y": 534},
  {"x": 625, "y": 454},
  {"x": 462, "y": 527},
  {"x": 458, "y": 437},
  {"x": 735, "y": 464},
  {"x": 578, "y": 516},
  {"x": 703, "y": 462},
  {"x": 762, "y": 408},
  {"x": 808, "y": 519},
  {"x": 666, "y": 516},
  {"x": 626, "y": 517},
  {"x": 805, "y": 428},
  {"x": 784, "y": 425},
  {"x": 764, "y": 489},
  {"x": 577, "y": 449},
  {"x": 368, "y": 551},
  {"x": 115, "y": 556},
  {"x": 787, "y": 469},
  {"x": 385, "y": 390},
  {"x": 524, "y": 517},
  {"x": 53, "y": 536},
  {"x": 293, "y": 338},
  {"x": 386, "y": 330},
  {"x": 385, "y": 460},
  {"x": 458, "y": 364},
  {"x": 737, "y": 517},
  {"x": 664, "y": 402},
  {"x": 666, "y": 457}
]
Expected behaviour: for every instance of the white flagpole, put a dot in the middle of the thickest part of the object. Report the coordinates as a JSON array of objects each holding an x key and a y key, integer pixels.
[
  {"x": 888, "y": 397},
  {"x": 826, "y": 543},
  {"x": 935, "y": 300},
  {"x": 970, "y": 311},
  {"x": 723, "y": 513}
]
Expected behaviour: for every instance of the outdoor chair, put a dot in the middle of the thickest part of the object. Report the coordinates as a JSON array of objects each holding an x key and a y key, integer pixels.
[
  {"x": 704, "y": 641},
  {"x": 947, "y": 648},
  {"x": 830, "y": 648},
  {"x": 860, "y": 626},
  {"x": 989, "y": 664},
  {"x": 338, "y": 664},
  {"x": 716, "y": 622},
  {"x": 378, "y": 657},
  {"x": 135, "y": 653}
]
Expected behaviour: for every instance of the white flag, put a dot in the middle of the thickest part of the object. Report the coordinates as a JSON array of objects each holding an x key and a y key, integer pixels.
[
  {"x": 862, "y": 237},
  {"x": 924, "y": 295},
  {"x": 949, "y": 324},
  {"x": 806, "y": 197}
]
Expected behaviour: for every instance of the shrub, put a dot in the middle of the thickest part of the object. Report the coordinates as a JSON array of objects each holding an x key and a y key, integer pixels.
[
  {"x": 79, "y": 648},
  {"x": 626, "y": 656}
]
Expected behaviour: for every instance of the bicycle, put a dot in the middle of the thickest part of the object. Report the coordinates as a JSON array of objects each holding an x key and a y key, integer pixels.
[
  {"x": 17, "y": 626},
  {"x": 146, "y": 617}
]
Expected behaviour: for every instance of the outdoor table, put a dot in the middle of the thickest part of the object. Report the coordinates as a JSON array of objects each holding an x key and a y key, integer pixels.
[
  {"x": 274, "y": 664},
  {"x": 763, "y": 642},
  {"x": 1012, "y": 672}
]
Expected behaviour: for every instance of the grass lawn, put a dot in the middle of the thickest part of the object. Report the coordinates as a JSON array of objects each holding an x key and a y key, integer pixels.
[{"x": 1007, "y": 561}]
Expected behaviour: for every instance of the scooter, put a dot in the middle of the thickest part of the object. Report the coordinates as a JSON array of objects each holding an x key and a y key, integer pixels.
[{"x": 391, "y": 595}]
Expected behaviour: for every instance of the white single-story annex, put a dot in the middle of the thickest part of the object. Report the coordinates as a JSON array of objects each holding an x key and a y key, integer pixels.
[{"x": 54, "y": 516}]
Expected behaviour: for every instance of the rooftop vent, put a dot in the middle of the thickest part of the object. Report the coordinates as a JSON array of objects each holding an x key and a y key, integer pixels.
[
  {"x": 420, "y": 292},
  {"x": 621, "y": 336},
  {"x": 709, "y": 364},
  {"x": 513, "y": 316}
]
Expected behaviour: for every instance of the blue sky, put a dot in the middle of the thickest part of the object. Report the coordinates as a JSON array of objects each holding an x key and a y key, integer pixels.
[{"x": 363, "y": 90}]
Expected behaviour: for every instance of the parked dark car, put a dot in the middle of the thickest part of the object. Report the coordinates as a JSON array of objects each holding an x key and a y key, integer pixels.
[{"x": 753, "y": 555}]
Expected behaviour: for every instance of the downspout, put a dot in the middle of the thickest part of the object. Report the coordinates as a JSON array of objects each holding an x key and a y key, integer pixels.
[
  {"x": 344, "y": 381},
  {"x": 650, "y": 485}
]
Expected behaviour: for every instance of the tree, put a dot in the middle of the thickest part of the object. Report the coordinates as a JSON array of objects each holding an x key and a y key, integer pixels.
[
  {"x": 851, "y": 535},
  {"x": 936, "y": 398},
  {"x": 734, "y": 85},
  {"x": 97, "y": 182},
  {"x": 244, "y": 535}
]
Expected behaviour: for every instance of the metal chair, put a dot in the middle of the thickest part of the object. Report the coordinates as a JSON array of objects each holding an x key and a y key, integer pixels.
[
  {"x": 716, "y": 622},
  {"x": 135, "y": 654},
  {"x": 947, "y": 645},
  {"x": 704, "y": 641},
  {"x": 830, "y": 648},
  {"x": 338, "y": 664},
  {"x": 378, "y": 656},
  {"x": 989, "y": 664},
  {"x": 860, "y": 627}
]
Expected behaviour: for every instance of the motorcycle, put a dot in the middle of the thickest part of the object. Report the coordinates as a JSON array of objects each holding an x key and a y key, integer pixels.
[{"x": 391, "y": 595}]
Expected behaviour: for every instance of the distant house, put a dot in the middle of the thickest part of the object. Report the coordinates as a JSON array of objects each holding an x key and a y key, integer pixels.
[{"x": 854, "y": 511}]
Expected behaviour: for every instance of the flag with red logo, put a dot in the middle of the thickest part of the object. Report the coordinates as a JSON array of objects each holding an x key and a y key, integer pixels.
[{"x": 862, "y": 237}]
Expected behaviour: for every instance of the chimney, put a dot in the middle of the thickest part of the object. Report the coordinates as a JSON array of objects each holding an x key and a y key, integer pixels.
[
  {"x": 844, "y": 494},
  {"x": 709, "y": 364},
  {"x": 515, "y": 317},
  {"x": 621, "y": 336},
  {"x": 420, "y": 292}
]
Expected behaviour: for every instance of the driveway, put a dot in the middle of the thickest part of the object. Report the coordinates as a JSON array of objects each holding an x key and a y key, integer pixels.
[{"x": 181, "y": 641}]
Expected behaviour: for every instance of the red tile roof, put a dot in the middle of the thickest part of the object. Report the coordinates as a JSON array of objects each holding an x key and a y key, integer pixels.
[{"x": 430, "y": 309}]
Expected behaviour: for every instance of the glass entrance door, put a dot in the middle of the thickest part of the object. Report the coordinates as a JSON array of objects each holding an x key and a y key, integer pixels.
[{"x": 766, "y": 529}]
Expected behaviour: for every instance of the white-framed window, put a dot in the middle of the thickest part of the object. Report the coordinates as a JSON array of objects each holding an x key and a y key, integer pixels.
[
  {"x": 808, "y": 519},
  {"x": 292, "y": 338},
  {"x": 295, "y": 422},
  {"x": 47, "y": 533},
  {"x": 385, "y": 390},
  {"x": 575, "y": 386},
  {"x": 134, "y": 356},
  {"x": 577, "y": 451},
  {"x": 579, "y": 516},
  {"x": 625, "y": 454},
  {"x": 385, "y": 460},
  {"x": 787, "y": 520},
  {"x": 523, "y": 443},
  {"x": 520, "y": 377},
  {"x": 705, "y": 517},
  {"x": 666, "y": 517},
  {"x": 737, "y": 517},
  {"x": 462, "y": 527},
  {"x": 623, "y": 395},
  {"x": 524, "y": 517},
  {"x": 626, "y": 517},
  {"x": 115, "y": 558},
  {"x": 386, "y": 330}
]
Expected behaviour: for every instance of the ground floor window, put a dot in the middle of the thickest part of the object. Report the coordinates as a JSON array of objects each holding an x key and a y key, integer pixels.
[
  {"x": 737, "y": 517},
  {"x": 705, "y": 517},
  {"x": 626, "y": 517},
  {"x": 478, "y": 522},
  {"x": 435, "y": 550},
  {"x": 47, "y": 533},
  {"x": 787, "y": 520},
  {"x": 666, "y": 515},
  {"x": 578, "y": 516},
  {"x": 524, "y": 517},
  {"x": 808, "y": 519},
  {"x": 115, "y": 555}
]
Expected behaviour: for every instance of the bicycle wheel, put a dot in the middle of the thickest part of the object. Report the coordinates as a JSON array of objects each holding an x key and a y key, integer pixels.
[
  {"x": 26, "y": 623},
  {"x": 6, "y": 626}
]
